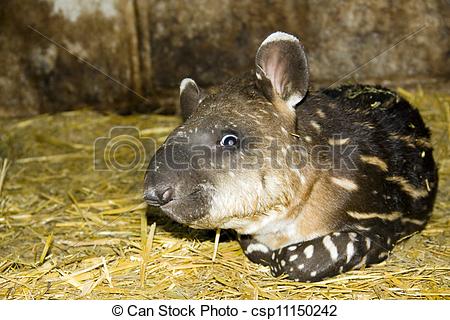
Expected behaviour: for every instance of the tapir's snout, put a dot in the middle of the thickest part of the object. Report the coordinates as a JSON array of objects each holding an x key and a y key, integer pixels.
[
  {"x": 174, "y": 188},
  {"x": 159, "y": 185}
]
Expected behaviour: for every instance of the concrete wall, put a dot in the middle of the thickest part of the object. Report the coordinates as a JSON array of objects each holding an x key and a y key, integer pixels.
[{"x": 148, "y": 45}]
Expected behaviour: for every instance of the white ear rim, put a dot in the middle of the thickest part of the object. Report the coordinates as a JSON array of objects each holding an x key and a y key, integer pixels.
[
  {"x": 279, "y": 36},
  {"x": 295, "y": 98},
  {"x": 185, "y": 82}
]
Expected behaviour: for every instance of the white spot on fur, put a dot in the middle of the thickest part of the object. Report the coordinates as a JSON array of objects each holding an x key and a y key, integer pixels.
[
  {"x": 273, "y": 255},
  {"x": 414, "y": 221},
  {"x": 338, "y": 141},
  {"x": 320, "y": 113},
  {"x": 300, "y": 266},
  {"x": 350, "y": 251},
  {"x": 284, "y": 131},
  {"x": 341, "y": 269},
  {"x": 258, "y": 76},
  {"x": 293, "y": 257},
  {"x": 368, "y": 243},
  {"x": 315, "y": 125},
  {"x": 375, "y": 161},
  {"x": 257, "y": 247},
  {"x": 308, "y": 139},
  {"x": 336, "y": 234},
  {"x": 370, "y": 215},
  {"x": 292, "y": 248},
  {"x": 352, "y": 236},
  {"x": 409, "y": 188},
  {"x": 382, "y": 255},
  {"x": 331, "y": 247},
  {"x": 347, "y": 184},
  {"x": 309, "y": 251},
  {"x": 283, "y": 263},
  {"x": 313, "y": 274}
]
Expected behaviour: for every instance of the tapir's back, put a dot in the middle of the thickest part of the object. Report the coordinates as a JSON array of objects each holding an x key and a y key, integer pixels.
[{"x": 388, "y": 158}]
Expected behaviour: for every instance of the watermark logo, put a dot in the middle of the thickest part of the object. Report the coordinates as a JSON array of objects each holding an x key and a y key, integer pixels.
[{"x": 124, "y": 149}]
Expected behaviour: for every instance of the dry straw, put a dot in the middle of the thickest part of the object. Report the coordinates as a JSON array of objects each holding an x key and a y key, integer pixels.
[
  {"x": 4, "y": 165},
  {"x": 69, "y": 232}
]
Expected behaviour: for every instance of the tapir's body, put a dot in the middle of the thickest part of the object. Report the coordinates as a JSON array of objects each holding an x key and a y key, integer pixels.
[{"x": 315, "y": 184}]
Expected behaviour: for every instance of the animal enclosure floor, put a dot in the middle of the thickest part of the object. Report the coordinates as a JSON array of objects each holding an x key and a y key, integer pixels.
[{"x": 68, "y": 231}]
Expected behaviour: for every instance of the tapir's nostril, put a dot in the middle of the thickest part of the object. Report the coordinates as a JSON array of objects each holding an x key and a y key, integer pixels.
[
  {"x": 159, "y": 196},
  {"x": 167, "y": 196}
]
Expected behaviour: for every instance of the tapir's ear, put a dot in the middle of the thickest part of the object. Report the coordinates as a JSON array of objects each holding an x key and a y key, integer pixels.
[
  {"x": 190, "y": 97},
  {"x": 282, "y": 69}
]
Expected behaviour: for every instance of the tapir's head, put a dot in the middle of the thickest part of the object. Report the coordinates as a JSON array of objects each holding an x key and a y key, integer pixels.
[{"x": 225, "y": 167}]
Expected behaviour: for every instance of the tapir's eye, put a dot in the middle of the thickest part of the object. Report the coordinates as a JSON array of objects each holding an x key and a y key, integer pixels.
[{"x": 229, "y": 140}]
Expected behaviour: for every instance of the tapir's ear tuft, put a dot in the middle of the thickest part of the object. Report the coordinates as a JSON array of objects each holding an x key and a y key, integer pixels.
[
  {"x": 282, "y": 69},
  {"x": 189, "y": 97}
]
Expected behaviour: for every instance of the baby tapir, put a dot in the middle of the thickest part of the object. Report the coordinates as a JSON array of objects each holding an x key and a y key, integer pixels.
[{"x": 314, "y": 183}]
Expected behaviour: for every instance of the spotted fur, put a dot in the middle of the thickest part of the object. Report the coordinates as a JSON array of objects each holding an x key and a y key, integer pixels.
[{"x": 387, "y": 197}]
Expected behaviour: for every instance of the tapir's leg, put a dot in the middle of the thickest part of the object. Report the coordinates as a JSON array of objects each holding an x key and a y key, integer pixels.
[
  {"x": 330, "y": 255},
  {"x": 255, "y": 251}
]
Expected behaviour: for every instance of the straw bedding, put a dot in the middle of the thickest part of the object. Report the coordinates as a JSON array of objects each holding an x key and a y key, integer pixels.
[{"x": 70, "y": 232}]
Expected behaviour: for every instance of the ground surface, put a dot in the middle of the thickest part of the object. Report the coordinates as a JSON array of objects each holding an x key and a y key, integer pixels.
[{"x": 68, "y": 231}]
